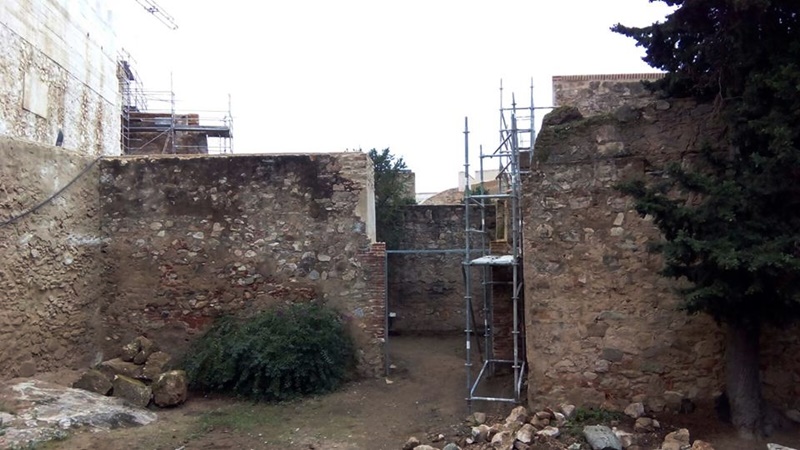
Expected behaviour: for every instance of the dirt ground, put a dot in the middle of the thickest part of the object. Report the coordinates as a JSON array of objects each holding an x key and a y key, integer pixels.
[{"x": 423, "y": 397}]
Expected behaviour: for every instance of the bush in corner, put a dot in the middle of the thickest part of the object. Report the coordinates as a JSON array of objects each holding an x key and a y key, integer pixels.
[{"x": 279, "y": 354}]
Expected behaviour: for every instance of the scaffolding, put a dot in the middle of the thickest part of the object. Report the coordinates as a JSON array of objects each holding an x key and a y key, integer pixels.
[
  {"x": 499, "y": 266},
  {"x": 153, "y": 122}
]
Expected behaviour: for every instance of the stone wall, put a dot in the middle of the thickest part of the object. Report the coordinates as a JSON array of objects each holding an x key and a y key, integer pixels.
[
  {"x": 595, "y": 94},
  {"x": 58, "y": 71},
  {"x": 49, "y": 259},
  {"x": 426, "y": 290},
  {"x": 602, "y": 325},
  {"x": 192, "y": 237}
]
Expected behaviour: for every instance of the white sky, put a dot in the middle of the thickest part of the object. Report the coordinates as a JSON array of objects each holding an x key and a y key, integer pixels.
[{"x": 321, "y": 75}]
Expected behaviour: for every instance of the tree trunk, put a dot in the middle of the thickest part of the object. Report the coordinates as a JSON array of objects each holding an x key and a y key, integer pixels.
[{"x": 743, "y": 381}]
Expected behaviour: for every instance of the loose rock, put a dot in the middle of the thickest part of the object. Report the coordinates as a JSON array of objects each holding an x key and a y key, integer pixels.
[
  {"x": 518, "y": 415},
  {"x": 672, "y": 400},
  {"x": 676, "y": 440},
  {"x": 539, "y": 423},
  {"x": 624, "y": 437},
  {"x": 134, "y": 391},
  {"x": 525, "y": 434},
  {"x": 130, "y": 351},
  {"x": 601, "y": 437},
  {"x": 479, "y": 418},
  {"x": 643, "y": 425},
  {"x": 567, "y": 409},
  {"x": 94, "y": 381},
  {"x": 146, "y": 348},
  {"x": 156, "y": 365},
  {"x": 411, "y": 443},
  {"x": 504, "y": 439},
  {"x": 117, "y": 366},
  {"x": 552, "y": 432},
  {"x": 701, "y": 445},
  {"x": 635, "y": 410},
  {"x": 169, "y": 389}
]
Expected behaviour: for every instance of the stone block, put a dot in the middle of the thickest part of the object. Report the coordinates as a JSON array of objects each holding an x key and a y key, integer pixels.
[
  {"x": 170, "y": 388},
  {"x": 117, "y": 366},
  {"x": 133, "y": 391},
  {"x": 94, "y": 381},
  {"x": 156, "y": 364}
]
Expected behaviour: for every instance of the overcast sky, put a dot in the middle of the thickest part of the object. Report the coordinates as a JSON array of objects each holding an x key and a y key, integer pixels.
[{"x": 325, "y": 76}]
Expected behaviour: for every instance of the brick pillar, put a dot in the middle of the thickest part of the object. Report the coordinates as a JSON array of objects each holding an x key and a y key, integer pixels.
[
  {"x": 502, "y": 314},
  {"x": 502, "y": 311},
  {"x": 373, "y": 324}
]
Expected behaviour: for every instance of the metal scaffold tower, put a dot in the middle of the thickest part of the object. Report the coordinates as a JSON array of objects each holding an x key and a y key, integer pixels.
[
  {"x": 498, "y": 265},
  {"x": 152, "y": 123}
]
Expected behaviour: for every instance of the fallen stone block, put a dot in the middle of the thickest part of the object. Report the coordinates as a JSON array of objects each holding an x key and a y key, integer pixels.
[
  {"x": 134, "y": 391},
  {"x": 146, "y": 348},
  {"x": 117, "y": 366},
  {"x": 93, "y": 381},
  {"x": 169, "y": 388},
  {"x": 156, "y": 364}
]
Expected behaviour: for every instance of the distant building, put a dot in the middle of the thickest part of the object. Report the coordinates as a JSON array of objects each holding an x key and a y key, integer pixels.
[
  {"x": 151, "y": 125},
  {"x": 58, "y": 67},
  {"x": 488, "y": 175}
]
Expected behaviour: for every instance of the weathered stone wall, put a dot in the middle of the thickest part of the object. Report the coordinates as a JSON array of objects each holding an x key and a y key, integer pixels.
[
  {"x": 426, "y": 290},
  {"x": 49, "y": 260},
  {"x": 58, "y": 71},
  {"x": 595, "y": 94},
  {"x": 602, "y": 325},
  {"x": 191, "y": 238}
]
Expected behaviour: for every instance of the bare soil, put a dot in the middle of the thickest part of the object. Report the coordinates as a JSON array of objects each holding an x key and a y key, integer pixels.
[{"x": 423, "y": 397}]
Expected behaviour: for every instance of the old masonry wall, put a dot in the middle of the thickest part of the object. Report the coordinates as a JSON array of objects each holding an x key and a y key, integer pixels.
[
  {"x": 162, "y": 246},
  {"x": 191, "y": 238},
  {"x": 603, "y": 327}
]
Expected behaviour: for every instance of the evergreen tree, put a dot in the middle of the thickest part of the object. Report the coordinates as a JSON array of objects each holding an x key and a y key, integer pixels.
[
  {"x": 732, "y": 223},
  {"x": 390, "y": 195}
]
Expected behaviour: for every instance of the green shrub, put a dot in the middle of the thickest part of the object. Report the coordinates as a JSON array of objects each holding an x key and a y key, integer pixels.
[{"x": 279, "y": 354}]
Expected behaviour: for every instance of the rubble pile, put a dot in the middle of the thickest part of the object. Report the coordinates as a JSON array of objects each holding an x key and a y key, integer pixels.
[
  {"x": 557, "y": 429},
  {"x": 140, "y": 376}
]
